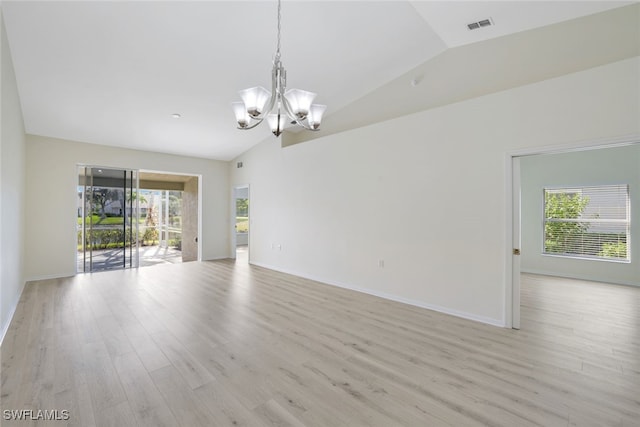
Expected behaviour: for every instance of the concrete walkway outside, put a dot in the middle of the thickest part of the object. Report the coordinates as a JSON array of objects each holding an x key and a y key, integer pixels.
[{"x": 111, "y": 259}]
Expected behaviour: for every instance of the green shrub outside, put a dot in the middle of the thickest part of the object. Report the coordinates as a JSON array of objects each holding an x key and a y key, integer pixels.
[
  {"x": 112, "y": 238},
  {"x": 109, "y": 220},
  {"x": 614, "y": 250}
]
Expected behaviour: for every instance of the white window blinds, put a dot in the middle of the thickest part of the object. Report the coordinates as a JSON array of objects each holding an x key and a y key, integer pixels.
[{"x": 587, "y": 222}]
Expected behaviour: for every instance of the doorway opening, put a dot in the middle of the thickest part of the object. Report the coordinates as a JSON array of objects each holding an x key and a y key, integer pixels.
[
  {"x": 242, "y": 223},
  {"x": 573, "y": 166},
  {"x": 168, "y": 218},
  {"x": 160, "y": 226},
  {"x": 129, "y": 218}
]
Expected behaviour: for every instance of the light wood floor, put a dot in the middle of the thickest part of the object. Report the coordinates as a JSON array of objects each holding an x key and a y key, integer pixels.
[{"x": 225, "y": 344}]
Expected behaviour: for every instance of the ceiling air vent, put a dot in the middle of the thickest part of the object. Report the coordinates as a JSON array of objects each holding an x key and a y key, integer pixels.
[{"x": 480, "y": 24}]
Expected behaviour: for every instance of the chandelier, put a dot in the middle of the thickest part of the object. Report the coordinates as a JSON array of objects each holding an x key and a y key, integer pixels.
[{"x": 277, "y": 106}]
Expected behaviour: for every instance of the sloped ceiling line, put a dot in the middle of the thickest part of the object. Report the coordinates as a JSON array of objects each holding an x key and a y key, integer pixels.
[{"x": 114, "y": 73}]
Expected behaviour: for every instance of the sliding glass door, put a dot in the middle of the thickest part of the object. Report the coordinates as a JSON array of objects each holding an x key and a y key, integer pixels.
[{"x": 107, "y": 219}]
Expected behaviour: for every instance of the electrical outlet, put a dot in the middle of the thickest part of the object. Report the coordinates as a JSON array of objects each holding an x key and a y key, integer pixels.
[{"x": 381, "y": 263}]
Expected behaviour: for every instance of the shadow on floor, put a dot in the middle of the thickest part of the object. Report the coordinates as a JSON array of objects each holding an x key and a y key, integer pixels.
[{"x": 112, "y": 259}]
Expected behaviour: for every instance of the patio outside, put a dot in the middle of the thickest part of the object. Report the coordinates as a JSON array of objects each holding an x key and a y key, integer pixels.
[{"x": 148, "y": 223}]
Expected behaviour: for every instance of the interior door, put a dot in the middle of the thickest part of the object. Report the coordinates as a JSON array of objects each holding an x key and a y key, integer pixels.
[
  {"x": 516, "y": 244},
  {"x": 108, "y": 219}
]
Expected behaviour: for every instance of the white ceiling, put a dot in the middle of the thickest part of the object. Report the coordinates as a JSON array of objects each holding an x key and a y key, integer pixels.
[{"x": 113, "y": 73}]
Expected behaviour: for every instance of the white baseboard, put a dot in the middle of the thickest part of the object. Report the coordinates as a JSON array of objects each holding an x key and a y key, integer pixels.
[
  {"x": 5, "y": 327},
  {"x": 578, "y": 276},
  {"x": 391, "y": 297},
  {"x": 48, "y": 277}
]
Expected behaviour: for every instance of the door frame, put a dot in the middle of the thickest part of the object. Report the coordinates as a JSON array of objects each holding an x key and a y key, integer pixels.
[{"x": 513, "y": 214}]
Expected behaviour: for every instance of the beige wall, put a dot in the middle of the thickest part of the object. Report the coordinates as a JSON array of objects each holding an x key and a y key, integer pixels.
[
  {"x": 190, "y": 220},
  {"x": 425, "y": 193},
  {"x": 51, "y": 195},
  {"x": 12, "y": 179}
]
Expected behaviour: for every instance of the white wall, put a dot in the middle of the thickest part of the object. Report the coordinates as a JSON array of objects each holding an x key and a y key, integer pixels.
[
  {"x": 338, "y": 205},
  {"x": 51, "y": 198},
  {"x": 12, "y": 200},
  {"x": 620, "y": 165}
]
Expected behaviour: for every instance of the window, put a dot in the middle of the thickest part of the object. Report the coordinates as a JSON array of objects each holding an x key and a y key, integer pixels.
[{"x": 587, "y": 222}]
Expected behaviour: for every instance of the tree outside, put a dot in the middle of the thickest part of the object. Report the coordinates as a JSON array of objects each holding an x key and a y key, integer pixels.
[
  {"x": 100, "y": 197},
  {"x": 564, "y": 236},
  {"x": 242, "y": 215}
]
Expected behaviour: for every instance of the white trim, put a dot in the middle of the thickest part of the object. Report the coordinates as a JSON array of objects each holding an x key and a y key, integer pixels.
[
  {"x": 199, "y": 234},
  {"x": 516, "y": 226},
  {"x": 390, "y": 297},
  {"x": 51, "y": 276},
  {"x": 594, "y": 144},
  {"x": 5, "y": 329},
  {"x": 12, "y": 313},
  {"x": 578, "y": 276},
  {"x": 219, "y": 258},
  {"x": 507, "y": 313}
]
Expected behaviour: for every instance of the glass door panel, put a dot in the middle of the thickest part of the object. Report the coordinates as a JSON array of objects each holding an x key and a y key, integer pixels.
[{"x": 108, "y": 219}]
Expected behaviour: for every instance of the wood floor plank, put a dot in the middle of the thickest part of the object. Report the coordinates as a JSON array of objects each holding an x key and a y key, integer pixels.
[
  {"x": 102, "y": 379},
  {"x": 271, "y": 413},
  {"x": 147, "y": 404},
  {"x": 119, "y": 415},
  {"x": 77, "y": 401},
  {"x": 226, "y": 343},
  {"x": 225, "y": 407},
  {"x": 183, "y": 402},
  {"x": 194, "y": 373}
]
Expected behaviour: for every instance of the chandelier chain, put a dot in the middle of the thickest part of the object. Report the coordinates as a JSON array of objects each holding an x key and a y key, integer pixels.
[{"x": 279, "y": 28}]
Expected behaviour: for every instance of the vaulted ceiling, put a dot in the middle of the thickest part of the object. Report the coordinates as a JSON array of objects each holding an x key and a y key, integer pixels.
[{"x": 114, "y": 73}]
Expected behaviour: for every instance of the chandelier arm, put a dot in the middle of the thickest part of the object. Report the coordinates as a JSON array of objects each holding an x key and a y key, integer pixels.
[
  {"x": 289, "y": 112},
  {"x": 277, "y": 66},
  {"x": 253, "y": 125},
  {"x": 305, "y": 125},
  {"x": 304, "y": 122},
  {"x": 274, "y": 86}
]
